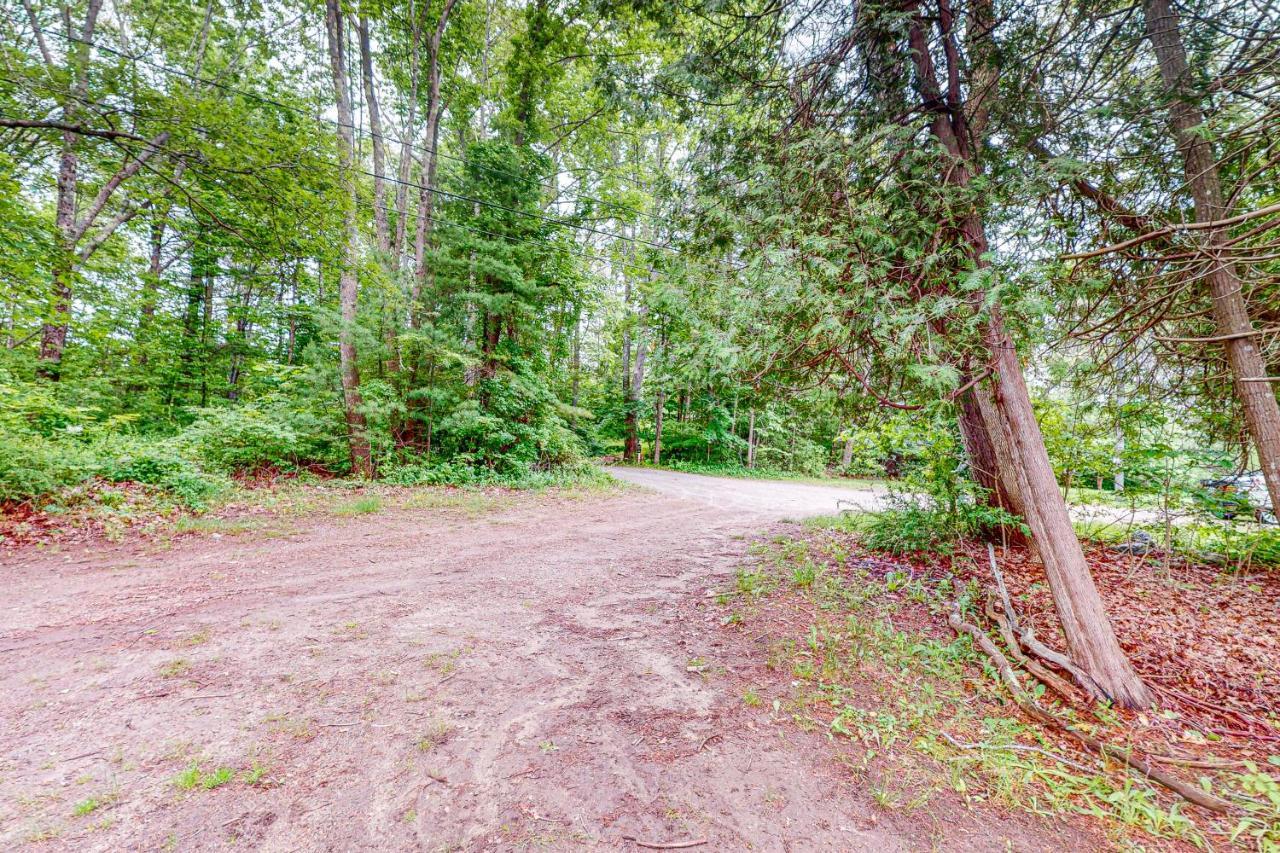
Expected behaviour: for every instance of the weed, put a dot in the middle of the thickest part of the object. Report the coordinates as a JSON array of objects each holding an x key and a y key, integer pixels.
[
  {"x": 445, "y": 663},
  {"x": 192, "y": 776},
  {"x": 175, "y": 668},
  {"x": 88, "y": 806},
  {"x": 255, "y": 775},
  {"x": 548, "y": 746},
  {"x": 751, "y": 698},
  {"x": 197, "y": 639},
  {"x": 750, "y": 584},
  {"x": 804, "y": 574},
  {"x": 437, "y": 734}
]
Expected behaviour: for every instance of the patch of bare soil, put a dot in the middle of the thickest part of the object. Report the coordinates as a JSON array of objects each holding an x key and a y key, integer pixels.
[{"x": 532, "y": 677}]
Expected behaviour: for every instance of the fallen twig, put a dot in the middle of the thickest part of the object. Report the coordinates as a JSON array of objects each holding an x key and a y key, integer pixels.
[
  {"x": 664, "y": 845},
  {"x": 1017, "y": 747},
  {"x": 207, "y": 696}
]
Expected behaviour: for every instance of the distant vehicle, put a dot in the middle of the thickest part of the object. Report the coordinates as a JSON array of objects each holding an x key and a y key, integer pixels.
[{"x": 1241, "y": 494}]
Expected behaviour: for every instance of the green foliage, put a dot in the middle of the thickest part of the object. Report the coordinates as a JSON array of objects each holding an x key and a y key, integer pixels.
[
  {"x": 935, "y": 504},
  {"x": 159, "y": 464},
  {"x": 32, "y": 466},
  {"x": 249, "y": 437}
]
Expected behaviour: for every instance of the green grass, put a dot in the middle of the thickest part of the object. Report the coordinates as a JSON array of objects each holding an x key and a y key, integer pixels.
[
  {"x": 89, "y": 806},
  {"x": 192, "y": 777},
  {"x": 917, "y": 715},
  {"x": 364, "y": 505}
]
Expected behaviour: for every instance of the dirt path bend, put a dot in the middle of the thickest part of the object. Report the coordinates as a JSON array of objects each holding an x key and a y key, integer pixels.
[
  {"x": 421, "y": 680},
  {"x": 775, "y": 499}
]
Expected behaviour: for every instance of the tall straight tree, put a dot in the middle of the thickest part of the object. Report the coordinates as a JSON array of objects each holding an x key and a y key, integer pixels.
[
  {"x": 430, "y": 161},
  {"x": 1235, "y": 328},
  {"x": 348, "y": 285}
]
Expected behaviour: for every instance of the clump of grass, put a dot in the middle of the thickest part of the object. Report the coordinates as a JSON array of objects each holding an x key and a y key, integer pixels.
[
  {"x": 175, "y": 668},
  {"x": 193, "y": 776},
  {"x": 437, "y": 734},
  {"x": 360, "y": 506},
  {"x": 255, "y": 775},
  {"x": 88, "y": 806}
]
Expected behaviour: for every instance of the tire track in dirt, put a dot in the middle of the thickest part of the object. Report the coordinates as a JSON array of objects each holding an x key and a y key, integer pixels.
[{"x": 413, "y": 680}]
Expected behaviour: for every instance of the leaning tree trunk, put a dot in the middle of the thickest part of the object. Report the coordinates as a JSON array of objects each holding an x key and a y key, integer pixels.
[
  {"x": 1230, "y": 312},
  {"x": 357, "y": 435},
  {"x": 1088, "y": 631}
]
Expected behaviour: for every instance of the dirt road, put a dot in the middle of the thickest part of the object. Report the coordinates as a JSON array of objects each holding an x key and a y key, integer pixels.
[
  {"x": 425, "y": 679},
  {"x": 775, "y": 499}
]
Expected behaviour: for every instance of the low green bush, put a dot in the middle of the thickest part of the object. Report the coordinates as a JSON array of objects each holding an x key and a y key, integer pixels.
[
  {"x": 162, "y": 466},
  {"x": 249, "y": 437},
  {"x": 32, "y": 466},
  {"x": 463, "y": 471}
]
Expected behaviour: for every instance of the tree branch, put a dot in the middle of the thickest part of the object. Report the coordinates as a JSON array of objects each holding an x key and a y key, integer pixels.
[
  {"x": 127, "y": 171},
  {"x": 64, "y": 127}
]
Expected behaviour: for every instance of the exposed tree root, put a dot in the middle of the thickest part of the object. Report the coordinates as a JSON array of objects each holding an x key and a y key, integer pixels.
[{"x": 1010, "y": 678}]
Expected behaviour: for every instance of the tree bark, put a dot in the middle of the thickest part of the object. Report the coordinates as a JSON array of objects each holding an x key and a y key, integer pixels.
[
  {"x": 751, "y": 440},
  {"x": 357, "y": 436},
  {"x": 1088, "y": 631},
  {"x": 426, "y": 196},
  {"x": 1230, "y": 312},
  {"x": 53, "y": 336},
  {"x": 381, "y": 231},
  {"x": 846, "y": 457},
  {"x": 657, "y": 427}
]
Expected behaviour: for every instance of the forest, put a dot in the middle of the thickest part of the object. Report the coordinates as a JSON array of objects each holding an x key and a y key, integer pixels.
[{"x": 1006, "y": 259}]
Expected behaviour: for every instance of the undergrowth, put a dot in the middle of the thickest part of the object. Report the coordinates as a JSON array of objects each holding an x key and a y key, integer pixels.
[{"x": 915, "y": 711}]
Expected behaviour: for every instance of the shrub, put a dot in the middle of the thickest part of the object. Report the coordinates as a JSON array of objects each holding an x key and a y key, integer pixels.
[
  {"x": 915, "y": 525},
  {"x": 32, "y": 466},
  {"x": 249, "y": 437},
  {"x": 159, "y": 465}
]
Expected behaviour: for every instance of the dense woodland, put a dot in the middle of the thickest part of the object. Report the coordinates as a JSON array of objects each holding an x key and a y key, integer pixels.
[{"x": 996, "y": 248}]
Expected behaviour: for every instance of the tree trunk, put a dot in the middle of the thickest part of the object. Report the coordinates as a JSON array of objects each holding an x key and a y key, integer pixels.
[
  {"x": 1088, "y": 631},
  {"x": 426, "y": 196},
  {"x": 361, "y": 458},
  {"x": 1118, "y": 461},
  {"x": 577, "y": 356},
  {"x": 633, "y": 390},
  {"x": 846, "y": 458},
  {"x": 1230, "y": 312},
  {"x": 381, "y": 232},
  {"x": 407, "y": 135},
  {"x": 53, "y": 336},
  {"x": 657, "y": 427},
  {"x": 751, "y": 439}
]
